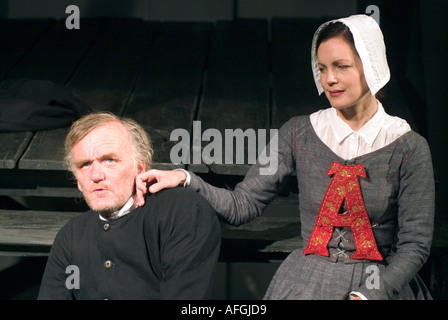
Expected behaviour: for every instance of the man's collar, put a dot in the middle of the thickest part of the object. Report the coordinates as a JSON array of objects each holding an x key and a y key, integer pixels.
[{"x": 128, "y": 207}]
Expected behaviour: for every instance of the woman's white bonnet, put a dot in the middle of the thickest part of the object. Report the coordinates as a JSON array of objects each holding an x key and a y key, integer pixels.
[{"x": 369, "y": 43}]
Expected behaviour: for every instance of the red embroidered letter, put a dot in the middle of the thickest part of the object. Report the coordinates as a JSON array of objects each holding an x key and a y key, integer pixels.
[{"x": 344, "y": 186}]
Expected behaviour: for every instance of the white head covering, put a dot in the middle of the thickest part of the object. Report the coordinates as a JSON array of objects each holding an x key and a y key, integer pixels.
[{"x": 370, "y": 46}]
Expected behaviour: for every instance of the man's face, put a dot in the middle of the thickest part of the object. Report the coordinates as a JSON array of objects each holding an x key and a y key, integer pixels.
[{"x": 105, "y": 169}]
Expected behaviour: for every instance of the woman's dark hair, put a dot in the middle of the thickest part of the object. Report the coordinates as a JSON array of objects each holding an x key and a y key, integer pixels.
[{"x": 333, "y": 30}]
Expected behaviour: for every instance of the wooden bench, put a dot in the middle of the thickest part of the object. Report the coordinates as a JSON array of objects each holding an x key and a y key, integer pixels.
[
  {"x": 165, "y": 75},
  {"x": 245, "y": 73}
]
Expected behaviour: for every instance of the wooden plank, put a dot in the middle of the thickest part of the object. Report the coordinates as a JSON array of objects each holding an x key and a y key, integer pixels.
[
  {"x": 236, "y": 90},
  {"x": 56, "y": 56},
  {"x": 285, "y": 246},
  {"x": 48, "y": 51},
  {"x": 12, "y": 146},
  {"x": 33, "y": 232},
  {"x": 294, "y": 91},
  {"x": 46, "y": 151},
  {"x": 17, "y": 37},
  {"x": 38, "y": 180},
  {"x": 37, "y": 228},
  {"x": 263, "y": 228},
  {"x": 106, "y": 76},
  {"x": 168, "y": 89},
  {"x": 104, "y": 80},
  {"x": 22, "y": 230},
  {"x": 42, "y": 192}
]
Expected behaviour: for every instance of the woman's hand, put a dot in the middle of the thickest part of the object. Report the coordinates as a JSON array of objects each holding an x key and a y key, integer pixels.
[{"x": 154, "y": 180}]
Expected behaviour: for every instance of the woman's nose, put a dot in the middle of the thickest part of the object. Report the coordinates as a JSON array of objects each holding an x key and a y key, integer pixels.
[{"x": 331, "y": 77}]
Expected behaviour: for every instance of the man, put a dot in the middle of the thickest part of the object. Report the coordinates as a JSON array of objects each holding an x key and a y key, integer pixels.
[{"x": 165, "y": 249}]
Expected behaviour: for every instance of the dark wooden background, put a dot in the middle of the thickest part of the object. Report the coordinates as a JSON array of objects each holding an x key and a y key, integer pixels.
[{"x": 243, "y": 73}]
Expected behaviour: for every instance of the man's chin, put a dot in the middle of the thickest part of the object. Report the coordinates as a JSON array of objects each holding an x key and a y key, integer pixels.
[{"x": 105, "y": 210}]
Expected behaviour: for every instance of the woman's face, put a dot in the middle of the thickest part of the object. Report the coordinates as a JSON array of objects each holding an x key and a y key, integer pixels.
[{"x": 341, "y": 73}]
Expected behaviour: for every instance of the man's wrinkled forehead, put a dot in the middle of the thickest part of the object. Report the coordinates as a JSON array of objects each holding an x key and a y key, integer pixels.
[{"x": 109, "y": 136}]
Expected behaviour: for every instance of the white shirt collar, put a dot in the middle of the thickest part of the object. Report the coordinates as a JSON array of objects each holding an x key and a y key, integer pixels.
[
  {"x": 128, "y": 207},
  {"x": 368, "y": 132}
]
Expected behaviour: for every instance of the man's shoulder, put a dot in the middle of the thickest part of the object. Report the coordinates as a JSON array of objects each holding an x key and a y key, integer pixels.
[
  {"x": 178, "y": 201},
  {"x": 181, "y": 211},
  {"x": 82, "y": 221},
  {"x": 83, "y": 218},
  {"x": 178, "y": 195}
]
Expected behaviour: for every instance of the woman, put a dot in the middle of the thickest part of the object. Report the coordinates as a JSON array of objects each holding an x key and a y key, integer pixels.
[{"x": 366, "y": 184}]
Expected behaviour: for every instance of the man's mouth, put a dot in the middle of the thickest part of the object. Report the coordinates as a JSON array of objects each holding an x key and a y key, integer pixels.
[{"x": 100, "y": 191}]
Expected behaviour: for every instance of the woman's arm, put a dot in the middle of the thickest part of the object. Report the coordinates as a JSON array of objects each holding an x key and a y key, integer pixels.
[
  {"x": 416, "y": 201},
  {"x": 259, "y": 187}
]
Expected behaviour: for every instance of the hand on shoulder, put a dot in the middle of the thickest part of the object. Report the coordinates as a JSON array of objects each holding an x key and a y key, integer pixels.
[{"x": 155, "y": 180}]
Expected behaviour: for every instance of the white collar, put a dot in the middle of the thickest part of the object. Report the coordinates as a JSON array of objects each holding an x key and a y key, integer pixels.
[
  {"x": 128, "y": 207},
  {"x": 368, "y": 132}
]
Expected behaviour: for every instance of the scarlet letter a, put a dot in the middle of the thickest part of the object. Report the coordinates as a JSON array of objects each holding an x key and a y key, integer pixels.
[{"x": 344, "y": 187}]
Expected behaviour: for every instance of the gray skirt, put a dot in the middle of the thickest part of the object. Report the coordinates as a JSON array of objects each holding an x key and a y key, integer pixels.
[{"x": 313, "y": 277}]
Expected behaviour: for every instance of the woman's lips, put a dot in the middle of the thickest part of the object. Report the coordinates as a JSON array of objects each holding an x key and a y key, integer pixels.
[{"x": 336, "y": 93}]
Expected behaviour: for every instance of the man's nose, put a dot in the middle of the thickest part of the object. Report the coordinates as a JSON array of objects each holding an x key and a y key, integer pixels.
[{"x": 96, "y": 172}]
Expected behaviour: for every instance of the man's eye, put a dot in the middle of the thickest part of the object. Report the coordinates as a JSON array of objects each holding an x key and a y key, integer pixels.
[
  {"x": 110, "y": 160},
  {"x": 84, "y": 165}
]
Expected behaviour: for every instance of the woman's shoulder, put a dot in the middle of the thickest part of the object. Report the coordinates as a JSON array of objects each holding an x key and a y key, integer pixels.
[
  {"x": 413, "y": 143},
  {"x": 298, "y": 122}
]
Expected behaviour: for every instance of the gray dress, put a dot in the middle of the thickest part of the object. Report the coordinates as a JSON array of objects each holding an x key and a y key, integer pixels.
[{"x": 398, "y": 193}]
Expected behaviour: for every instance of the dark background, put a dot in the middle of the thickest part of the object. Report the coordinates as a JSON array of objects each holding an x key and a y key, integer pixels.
[{"x": 416, "y": 34}]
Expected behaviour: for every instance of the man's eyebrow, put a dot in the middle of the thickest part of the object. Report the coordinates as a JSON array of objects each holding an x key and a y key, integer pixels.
[
  {"x": 81, "y": 162},
  {"x": 110, "y": 155}
]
